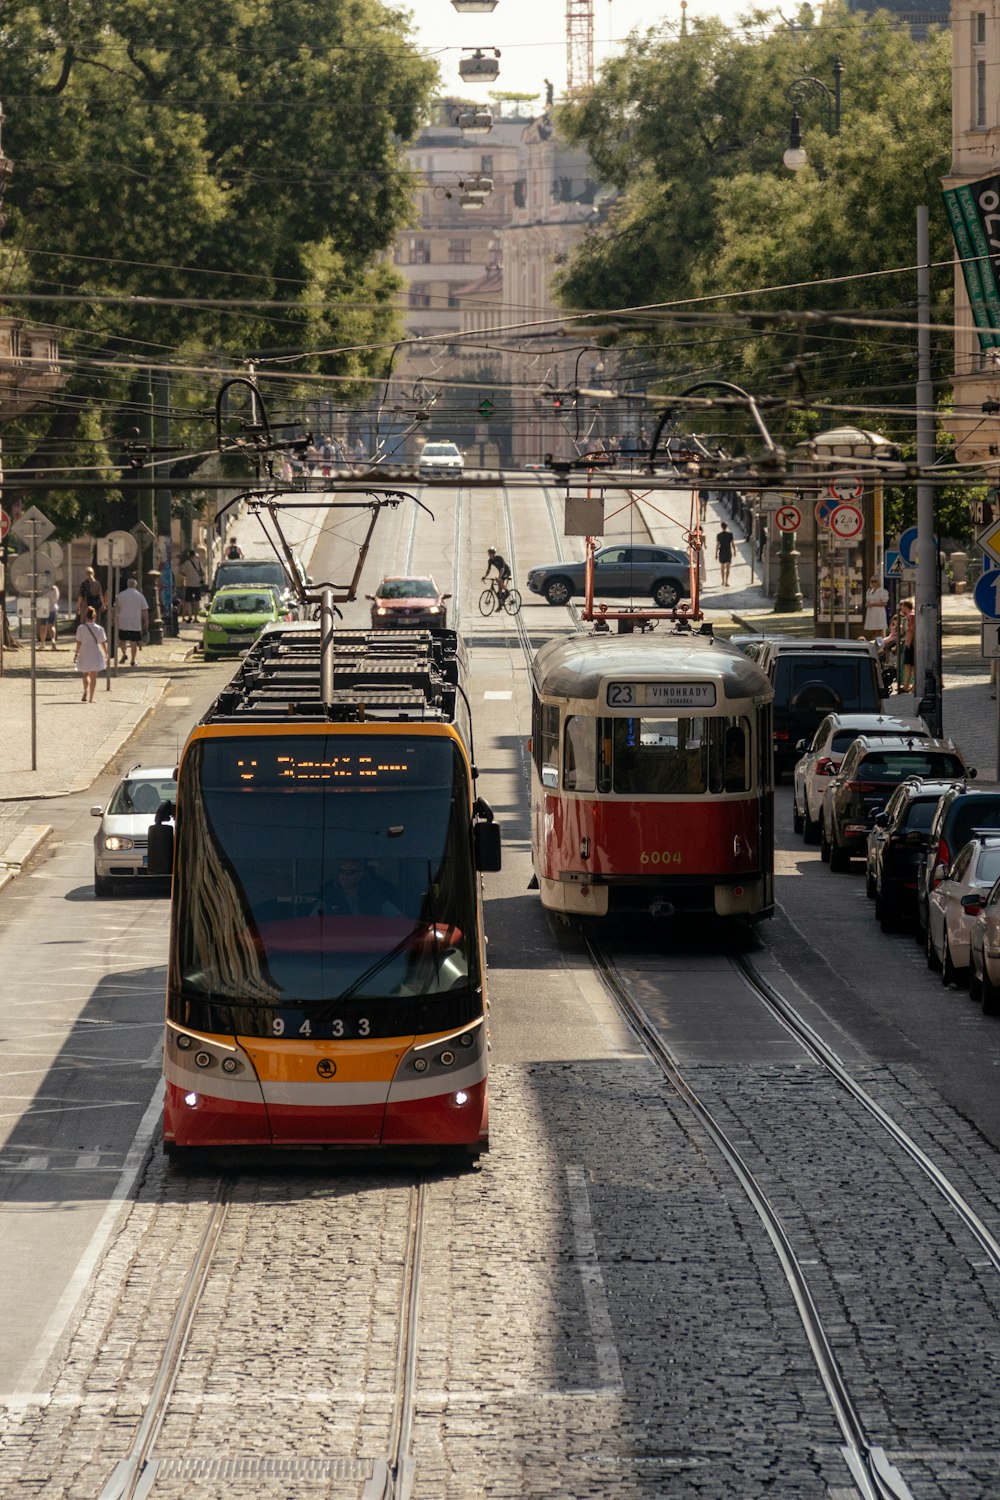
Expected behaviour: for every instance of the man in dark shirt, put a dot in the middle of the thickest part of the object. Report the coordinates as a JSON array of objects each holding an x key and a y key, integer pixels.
[
  {"x": 724, "y": 553},
  {"x": 494, "y": 560}
]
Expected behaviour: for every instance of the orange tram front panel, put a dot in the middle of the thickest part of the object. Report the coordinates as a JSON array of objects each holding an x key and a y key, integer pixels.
[{"x": 247, "y": 1091}]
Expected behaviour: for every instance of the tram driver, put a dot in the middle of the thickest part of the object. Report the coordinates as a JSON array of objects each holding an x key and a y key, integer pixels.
[{"x": 357, "y": 890}]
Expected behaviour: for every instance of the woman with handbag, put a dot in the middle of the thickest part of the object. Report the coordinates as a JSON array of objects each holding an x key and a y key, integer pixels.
[{"x": 91, "y": 652}]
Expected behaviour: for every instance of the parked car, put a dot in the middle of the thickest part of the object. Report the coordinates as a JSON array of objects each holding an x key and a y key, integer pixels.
[
  {"x": 984, "y": 951},
  {"x": 409, "y": 602},
  {"x": 861, "y": 788},
  {"x": 121, "y": 838},
  {"x": 253, "y": 571},
  {"x": 440, "y": 458},
  {"x": 813, "y": 678},
  {"x": 621, "y": 571},
  {"x": 236, "y": 616},
  {"x": 961, "y": 811},
  {"x": 897, "y": 846},
  {"x": 821, "y": 759},
  {"x": 950, "y": 912}
]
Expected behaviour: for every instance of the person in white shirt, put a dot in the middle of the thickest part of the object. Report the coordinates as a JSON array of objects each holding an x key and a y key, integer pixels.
[
  {"x": 48, "y": 617},
  {"x": 132, "y": 618}
]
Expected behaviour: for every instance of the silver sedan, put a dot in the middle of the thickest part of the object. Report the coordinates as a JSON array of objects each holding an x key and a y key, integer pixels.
[{"x": 955, "y": 903}]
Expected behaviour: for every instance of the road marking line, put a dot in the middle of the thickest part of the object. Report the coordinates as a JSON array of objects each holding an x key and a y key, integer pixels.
[{"x": 594, "y": 1295}]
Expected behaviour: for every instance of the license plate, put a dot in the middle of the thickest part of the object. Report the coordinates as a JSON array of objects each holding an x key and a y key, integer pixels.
[{"x": 240, "y": 640}]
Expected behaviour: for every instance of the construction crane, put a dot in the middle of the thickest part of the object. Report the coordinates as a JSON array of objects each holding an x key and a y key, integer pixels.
[{"x": 579, "y": 46}]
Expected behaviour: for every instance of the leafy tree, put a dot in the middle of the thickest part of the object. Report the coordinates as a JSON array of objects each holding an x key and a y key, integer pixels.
[{"x": 224, "y": 157}]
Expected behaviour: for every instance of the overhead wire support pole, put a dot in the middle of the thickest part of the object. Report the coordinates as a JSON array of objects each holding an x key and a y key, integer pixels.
[{"x": 927, "y": 654}]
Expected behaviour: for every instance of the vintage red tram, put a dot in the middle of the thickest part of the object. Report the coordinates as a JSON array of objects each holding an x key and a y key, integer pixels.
[{"x": 652, "y": 782}]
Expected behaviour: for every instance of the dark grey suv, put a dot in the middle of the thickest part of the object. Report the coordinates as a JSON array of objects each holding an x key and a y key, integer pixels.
[{"x": 620, "y": 572}]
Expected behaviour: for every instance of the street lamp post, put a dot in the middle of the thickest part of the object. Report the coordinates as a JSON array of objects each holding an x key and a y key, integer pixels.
[{"x": 801, "y": 89}]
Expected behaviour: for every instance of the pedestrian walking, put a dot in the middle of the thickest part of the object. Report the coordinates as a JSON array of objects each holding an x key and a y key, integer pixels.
[
  {"x": 91, "y": 596},
  {"x": 876, "y": 600},
  {"x": 132, "y": 619},
  {"x": 91, "y": 654},
  {"x": 234, "y": 550},
  {"x": 192, "y": 577},
  {"x": 724, "y": 553},
  {"x": 48, "y": 617}
]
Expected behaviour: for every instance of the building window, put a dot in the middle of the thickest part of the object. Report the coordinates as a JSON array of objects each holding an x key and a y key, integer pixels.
[
  {"x": 459, "y": 252},
  {"x": 981, "y": 28},
  {"x": 420, "y": 252},
  {"x": 981, "y": 93},
  {"x": 520, "y": 193},
  {"x": 453, "y": 300},
  {"x": 979, "y": 70},
  {"x": 419, "y": 295},
  {"x": 486, "y": 165}
]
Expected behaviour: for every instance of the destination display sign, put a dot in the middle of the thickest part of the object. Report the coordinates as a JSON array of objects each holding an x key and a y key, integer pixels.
[{"x": 661, "y": 695}]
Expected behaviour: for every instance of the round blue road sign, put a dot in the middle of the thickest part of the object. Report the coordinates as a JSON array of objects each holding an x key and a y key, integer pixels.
[{"x": 987, "y": 594}]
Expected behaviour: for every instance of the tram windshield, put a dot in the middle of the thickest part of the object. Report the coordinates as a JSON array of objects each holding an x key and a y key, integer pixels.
[
  {"x": 324, "y": 868},
  {"x": 687, "y": 754}
]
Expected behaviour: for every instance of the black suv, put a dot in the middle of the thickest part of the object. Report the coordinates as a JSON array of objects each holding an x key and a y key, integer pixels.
[
  {"x": 620, "y": 572},
  {"x": 961, "y": 813},
  {"x": 897, "y": 847},
  {"x": 869, "y": 771},
  {"x": 813, "y": 678},
  {"x": 253, "y": 571}
]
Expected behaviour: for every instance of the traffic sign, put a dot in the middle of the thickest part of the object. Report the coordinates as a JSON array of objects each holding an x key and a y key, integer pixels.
[
  {"x": 116, "y": 550},
  {"x": 847, "y": 523},
  {"x": 27, "y": 582},
  {"x": 991, "y": 638},
  {"x": 846, "y": 488},
  {"x": 987, "y": 596},
  {"x": 486, "y": 408},
  {"x": 907, "y": 545},
  {"x": 893, "y": 565},
  {"x": 988, "y": 541},
  {"x": 788, "y": 518},
  {"x": 32, "y": 526},
  {"x": 825, "y": 507},
  {"x": 4, "y": 524},
  {"x": 142, "y": 534}
]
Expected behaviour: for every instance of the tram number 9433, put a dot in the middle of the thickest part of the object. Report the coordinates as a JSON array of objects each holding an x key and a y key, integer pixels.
[
  {"x": 286, "y": 1026},
  {"x": 660, "y": 857}
]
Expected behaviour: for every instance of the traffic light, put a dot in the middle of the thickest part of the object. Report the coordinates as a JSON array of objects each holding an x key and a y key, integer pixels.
[{"x": 557, "y": 403}]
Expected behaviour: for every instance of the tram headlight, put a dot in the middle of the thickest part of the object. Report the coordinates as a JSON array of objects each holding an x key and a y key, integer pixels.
[
  {"x": 230, "y": 1065},
  {"x": 446, "y": 1058},
  {"x": 420, "y": 1065},
  {"x": 467, "y": 1039},
  {"x": 115, "y": 842},
  {"x": 461, "y": 1097},
  {"x": 203, "y": 1059},
  {"x": 184, "y": 1042}
]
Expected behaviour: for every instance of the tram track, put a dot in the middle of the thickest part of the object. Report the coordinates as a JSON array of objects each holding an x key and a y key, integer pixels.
[{"x": 143, "y": 1472}]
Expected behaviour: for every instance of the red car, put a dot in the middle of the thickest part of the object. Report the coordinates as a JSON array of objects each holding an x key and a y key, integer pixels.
[{"x": 408, "y": 602}]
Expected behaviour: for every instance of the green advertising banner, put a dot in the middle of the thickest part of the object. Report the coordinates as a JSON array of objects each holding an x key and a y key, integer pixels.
[{"x": 974, "y": 213}]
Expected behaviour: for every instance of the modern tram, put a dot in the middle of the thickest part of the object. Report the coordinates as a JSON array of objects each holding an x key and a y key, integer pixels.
[
  {"x": 652, "y": 781},
  {"x": 326, "y": 978}
]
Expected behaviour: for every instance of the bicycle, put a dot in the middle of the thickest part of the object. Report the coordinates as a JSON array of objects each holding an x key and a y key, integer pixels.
[{"x": 490, "y": 599}]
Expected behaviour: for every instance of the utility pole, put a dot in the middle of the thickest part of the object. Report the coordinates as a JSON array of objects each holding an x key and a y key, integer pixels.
[{"x": 927, "y": 657}]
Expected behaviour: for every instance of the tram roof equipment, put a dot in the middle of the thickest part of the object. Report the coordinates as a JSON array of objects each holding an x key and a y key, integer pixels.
[{"x": 575, "y": 666}]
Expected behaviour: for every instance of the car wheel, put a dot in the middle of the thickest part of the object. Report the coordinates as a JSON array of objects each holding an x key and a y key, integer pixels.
[
  {"x": 952, "y": 973},
  {"x": 869, "y": 884},
  {"x": 990, "y": 995},
  {"x": 885, "y": 911},
  {"x": 811, "y": 829},
  {"x": 558, "y": 591},
  {"x": 103, "y": 886},
  {"x": 975, "y": 984},
  {"x": 666, "y": 594},
  {"x": 798, "y": 821},
  {"x": 840, "y": 859},
  {"x": 933, "y": 962},
  {"x": 824, "y": 845}
]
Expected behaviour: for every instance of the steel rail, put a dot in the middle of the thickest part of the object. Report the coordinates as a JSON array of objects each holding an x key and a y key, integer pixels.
[
  {"x": 874, "y": 1476},
  {"x": 824, "y": 1054},
  {"x": 133, "y": 1476},
  {"x": 392, "y": 1478}
]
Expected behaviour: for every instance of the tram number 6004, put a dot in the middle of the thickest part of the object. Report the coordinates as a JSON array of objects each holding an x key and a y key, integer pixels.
[
  {"x": 660, "y": 857},
  {"x": 335, "y": 1028}
]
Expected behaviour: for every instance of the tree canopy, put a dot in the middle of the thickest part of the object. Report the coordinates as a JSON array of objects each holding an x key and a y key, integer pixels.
[{"x": 238, "y": 164}]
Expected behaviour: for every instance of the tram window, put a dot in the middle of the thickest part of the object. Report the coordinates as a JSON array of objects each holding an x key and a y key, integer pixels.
[
  {"x": 661, "y": 755},
  {"x": 729, "y": 768},
  {"x": 546, "y": 742},
  {"x": 580, "y": 754}
]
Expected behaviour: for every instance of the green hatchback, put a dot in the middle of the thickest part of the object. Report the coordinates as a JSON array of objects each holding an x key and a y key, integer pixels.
[{"x": 236, "y": 617}]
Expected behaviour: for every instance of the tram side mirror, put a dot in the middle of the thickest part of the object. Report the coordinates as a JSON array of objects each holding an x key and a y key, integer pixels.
[
  {"x": 550, "y": 776},
  {"x": 487, "y": 846},
  {"x": 160, "y": 846}
]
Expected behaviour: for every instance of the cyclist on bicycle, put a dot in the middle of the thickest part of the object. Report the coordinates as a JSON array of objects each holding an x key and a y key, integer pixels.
[{"x": 494, "y": 560}]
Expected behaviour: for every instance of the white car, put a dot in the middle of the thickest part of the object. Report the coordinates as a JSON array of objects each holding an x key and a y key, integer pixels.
[
  {"x": 120, "y": 842},
  {"x": 822, "y": 756},
  {"x": 984, "y": 952},
  {"x": 951, "y": 912},
  {"x": 440, "y": 458}
]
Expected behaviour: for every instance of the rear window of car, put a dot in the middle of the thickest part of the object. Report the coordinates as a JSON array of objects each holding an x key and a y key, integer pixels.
[
  {"x": 851, "y": 678},
  {"x": 894, "y": 765},
  {"x": 250, "y": 572},
  {"x": 988, "y": 866},
  {"x": 973, "y": 814},
  {"x": 919, "y": 815}
]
